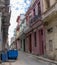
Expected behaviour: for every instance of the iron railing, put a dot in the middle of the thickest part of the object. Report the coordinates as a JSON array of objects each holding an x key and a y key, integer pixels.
[{"x": 34, "y": 19}]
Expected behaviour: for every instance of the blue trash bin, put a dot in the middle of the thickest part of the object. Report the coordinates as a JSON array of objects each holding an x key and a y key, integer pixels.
[
  {"x": 12, "y": 54},
  {"x": 4, "y": 57}
]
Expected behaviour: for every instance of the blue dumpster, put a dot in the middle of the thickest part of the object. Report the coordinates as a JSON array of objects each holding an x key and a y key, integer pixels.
[
  {"x": 4, "y": 57},
  {"x": 12, "y": 54}
]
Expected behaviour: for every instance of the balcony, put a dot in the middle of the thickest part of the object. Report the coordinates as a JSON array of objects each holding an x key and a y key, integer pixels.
[
  {"x": 34, "y": 19},
  {"x": 23, "y": 31},
  {"x": 5, "y": 21},
  {"x": 26, "y": 29},
  {"x": 2, "y": 2},
  {"x": 50, "y": 13},
  {"x": 7, "y": 2}
]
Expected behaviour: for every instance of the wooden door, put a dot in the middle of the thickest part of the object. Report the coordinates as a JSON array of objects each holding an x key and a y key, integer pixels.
[{"x": 41, "y": 43}]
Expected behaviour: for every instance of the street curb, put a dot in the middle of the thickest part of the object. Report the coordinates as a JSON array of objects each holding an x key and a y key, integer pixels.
[
  {"x": 46, "y": 60},
  {"x": 43, "y": 59}
]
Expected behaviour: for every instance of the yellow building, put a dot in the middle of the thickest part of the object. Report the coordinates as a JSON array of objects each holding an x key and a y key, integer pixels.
[
  {"x": 17, "y": 38},
  {"x": 17, "y": 34},
  {"x": 49, "y": 17}
]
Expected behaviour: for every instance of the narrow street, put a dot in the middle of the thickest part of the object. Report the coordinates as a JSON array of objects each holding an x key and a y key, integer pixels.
[
  {"x": 29, "y": 26},
  {"x": 26, "y": 59}
]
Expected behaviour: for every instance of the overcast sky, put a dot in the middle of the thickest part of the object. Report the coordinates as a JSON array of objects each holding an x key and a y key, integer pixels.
[{"x": 17, "y": 7}]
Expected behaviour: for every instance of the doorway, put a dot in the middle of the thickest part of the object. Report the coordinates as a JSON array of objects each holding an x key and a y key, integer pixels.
[
  {"x": 24, "y": 43},
  {"x": 41, "y": 42},
  {"x": 30, "y": 45}
]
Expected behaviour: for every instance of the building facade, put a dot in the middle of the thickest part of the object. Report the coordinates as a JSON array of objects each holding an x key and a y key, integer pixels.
[
  {"x": 35, "y": 35},
  {"x": 13, "y": 43},
  {"x": 4, "y": 9},
  {"x": 18, "y": 32},
  {"x": 39, "y": 36},
  {"x": 0, "y": 32},
  {"x": 32, "y": 31},
  {"x": 49, "y": 17},
  {"x": 22, "y": 25},
  {"x": 17, "y": 37}
]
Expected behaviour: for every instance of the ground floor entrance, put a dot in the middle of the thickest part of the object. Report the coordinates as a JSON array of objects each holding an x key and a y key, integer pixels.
[
  {"x": 41, "y": 42},
  {"x": 30, "y": 44}
]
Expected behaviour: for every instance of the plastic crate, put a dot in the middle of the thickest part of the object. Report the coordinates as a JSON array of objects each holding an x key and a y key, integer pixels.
[{"x": 12, "y": 54}]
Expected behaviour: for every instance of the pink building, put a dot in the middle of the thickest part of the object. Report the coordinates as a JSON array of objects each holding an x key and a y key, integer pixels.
[{"x": 35, "y": 35}]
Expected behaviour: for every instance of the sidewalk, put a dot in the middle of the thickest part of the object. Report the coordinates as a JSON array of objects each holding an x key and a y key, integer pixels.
[{"x": 43, "y": 59}]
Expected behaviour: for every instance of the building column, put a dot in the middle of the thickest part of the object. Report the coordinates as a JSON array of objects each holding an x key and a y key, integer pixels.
[{"x": 44, "y": 39}]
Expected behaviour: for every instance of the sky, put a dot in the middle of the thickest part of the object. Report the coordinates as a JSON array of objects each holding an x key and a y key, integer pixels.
[{"x": 17, "y": 7}]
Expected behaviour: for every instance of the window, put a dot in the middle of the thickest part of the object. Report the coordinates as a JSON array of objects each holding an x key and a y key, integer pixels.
[
  {"x": 26, "y": 18},
  {"x": 39, "y": 9},
  {"x": 30, "y": 17},
  {"x": 34, "y": 11},
  {"x": 50, "y": 45},
  {"x": 35, "y": 39},
  {"x": 50, "y": 30},
  {"x": 41, "y": 32},
  {"x": 21, "y": 43},
  {"x": 47, "y": 3}
]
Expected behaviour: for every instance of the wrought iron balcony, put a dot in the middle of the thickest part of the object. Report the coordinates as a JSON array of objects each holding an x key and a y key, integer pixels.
[{"x": 34, "y": 19}]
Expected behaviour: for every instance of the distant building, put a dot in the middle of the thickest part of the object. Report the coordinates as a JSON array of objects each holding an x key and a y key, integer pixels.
[
  {"x": 23, "y": 29},
  {"x": 12, "y": 39},
  {"x": 31, "y": 32},
  {"x": 19, "y": 29},
  {"x": 13, "y": 43}
]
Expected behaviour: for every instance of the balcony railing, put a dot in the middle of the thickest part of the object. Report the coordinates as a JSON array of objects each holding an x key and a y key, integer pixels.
[{"x": 34, "y": 19}]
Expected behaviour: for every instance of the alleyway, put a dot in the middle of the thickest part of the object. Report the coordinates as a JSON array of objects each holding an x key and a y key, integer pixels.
[
  {"x": 26, "y": 59},
  {"x": 30, "y": 26}
]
